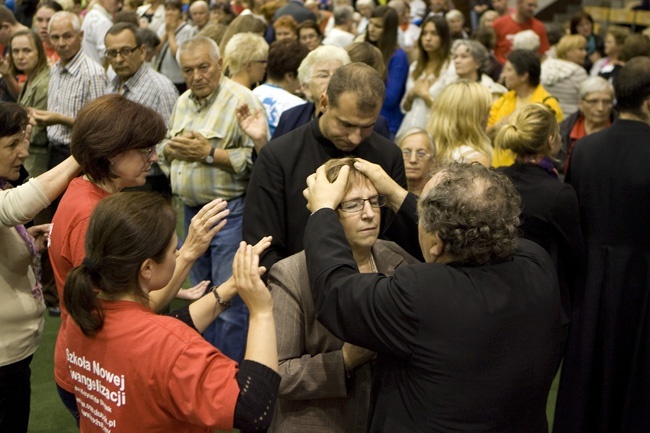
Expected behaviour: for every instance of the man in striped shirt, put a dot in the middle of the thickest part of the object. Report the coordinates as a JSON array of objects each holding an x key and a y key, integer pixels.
[{"x": 74, "y": 80}]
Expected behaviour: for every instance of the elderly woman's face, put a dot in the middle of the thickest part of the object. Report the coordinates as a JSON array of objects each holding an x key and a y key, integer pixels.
[
  {"x": 320, "y": 78},
  {"x": 418, "y": 161},
  {"x": 362, "y": 227},
  {"x": 596, "y": 107},
  {"x": 132, "y": 167},
  {"x": 14, "y": 149},
  {"x": 464, "y": 63}
]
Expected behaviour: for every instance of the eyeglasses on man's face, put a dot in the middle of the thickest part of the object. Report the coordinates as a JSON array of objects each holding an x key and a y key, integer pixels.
[{"x": 124, "y": 52}]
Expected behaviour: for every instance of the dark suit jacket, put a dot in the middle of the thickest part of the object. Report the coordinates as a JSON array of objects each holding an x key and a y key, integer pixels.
[
  {"x": 275, "y": 205},
  {"x": 302, "y": 114},
  {"x": 463, "y": 349},
  {"x": 314, "y": 395},
  {"x": 605, "y": 385},
  {"x": 550, "y": 218}
]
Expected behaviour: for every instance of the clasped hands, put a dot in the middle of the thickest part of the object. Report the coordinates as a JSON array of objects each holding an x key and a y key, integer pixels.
[{"x": 190, "y": 146}]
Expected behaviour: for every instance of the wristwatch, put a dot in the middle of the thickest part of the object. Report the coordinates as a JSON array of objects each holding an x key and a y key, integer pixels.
[{"x": 210, "y": 158}]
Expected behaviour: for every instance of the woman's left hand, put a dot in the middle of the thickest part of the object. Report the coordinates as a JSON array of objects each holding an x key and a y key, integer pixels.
[
  {"x": 41, "y": 234},
  {"x": 205, "y": 224},
  {"x": 193, "y": 293}
]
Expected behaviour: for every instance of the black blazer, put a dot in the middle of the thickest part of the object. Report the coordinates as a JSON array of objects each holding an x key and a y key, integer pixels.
[{"x": 463, "y": 349}]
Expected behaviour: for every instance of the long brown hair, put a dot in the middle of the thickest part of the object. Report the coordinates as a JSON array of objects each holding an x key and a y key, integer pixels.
[
  {"x": 441, "y": 55},
  {"x": 387, "y": 43},
  {"x": 125, "y": 229}
]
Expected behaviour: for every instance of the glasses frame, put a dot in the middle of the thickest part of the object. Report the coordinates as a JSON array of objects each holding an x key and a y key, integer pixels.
[
  {"x": 359, "y": 203},
  {"x": 125, "y": 52}
]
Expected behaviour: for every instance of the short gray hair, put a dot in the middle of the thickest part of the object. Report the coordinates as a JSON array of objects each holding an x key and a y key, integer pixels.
[
  {"x": 194, "y": 43},
  {"x": 198, "y": 3},
  {"x": 478, "y": 52},
  {"x": 65, "y": 15},
  {"x": 320, "y": 54},
  {"x": 454, "y": 13},
  {"x": 413, "y": 131},
  {"x": 343, "y": 15},
  {"x": 595, "y": 84}
]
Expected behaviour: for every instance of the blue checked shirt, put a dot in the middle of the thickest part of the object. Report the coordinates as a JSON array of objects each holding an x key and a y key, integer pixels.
[{"x": 149, "y": 88}]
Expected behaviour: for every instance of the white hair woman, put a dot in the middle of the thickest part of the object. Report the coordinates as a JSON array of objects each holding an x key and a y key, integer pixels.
[{"x": 245, "y": 58}]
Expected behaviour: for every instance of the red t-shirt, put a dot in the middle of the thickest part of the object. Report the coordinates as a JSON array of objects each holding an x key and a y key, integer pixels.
[
  {"x": 149, "y": 373},
  {"x": 67, "y": 250},
  {"x": 506, "y": 27}
]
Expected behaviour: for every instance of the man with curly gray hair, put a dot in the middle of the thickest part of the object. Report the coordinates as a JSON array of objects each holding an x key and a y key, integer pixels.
[
  {"x": 470, "y": 340},
  {"x": 473, "y": 214}
]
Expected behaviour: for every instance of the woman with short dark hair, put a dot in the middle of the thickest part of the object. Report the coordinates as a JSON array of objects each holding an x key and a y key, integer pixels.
[{"x": 522, "y": 73}]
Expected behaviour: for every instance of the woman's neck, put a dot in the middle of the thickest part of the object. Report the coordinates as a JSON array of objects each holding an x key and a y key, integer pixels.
[
  {"x": 121, "y": 296},
  {"x": 107, "y": 185},
  {"x": 591, "y": 127},
  {"x": 364, "y": 260},
  {"x": 242, "y": 78},
  {"x": 524, "y": 91},
  {"x": 472, "y": 76},
  {"x": 415, "y": 186}
]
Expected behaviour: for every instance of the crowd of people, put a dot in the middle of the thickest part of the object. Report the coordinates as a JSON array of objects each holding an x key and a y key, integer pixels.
[{"x": 391, "y": 221}]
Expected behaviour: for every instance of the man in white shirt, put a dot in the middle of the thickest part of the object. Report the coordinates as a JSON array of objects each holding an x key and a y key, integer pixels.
[
  {"x": 341, "y": 34},
  {"x": 95, "y": 25}
]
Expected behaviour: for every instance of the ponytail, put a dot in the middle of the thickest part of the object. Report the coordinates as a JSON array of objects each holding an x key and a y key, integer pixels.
[{"x": 80, "y": 299}]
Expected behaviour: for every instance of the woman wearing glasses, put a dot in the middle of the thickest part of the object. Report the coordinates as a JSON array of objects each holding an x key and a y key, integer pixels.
[
  {"x": 114, "y": 141},
  {"x": 325, "y": 383},
  {"x": 419, "y": 157}
]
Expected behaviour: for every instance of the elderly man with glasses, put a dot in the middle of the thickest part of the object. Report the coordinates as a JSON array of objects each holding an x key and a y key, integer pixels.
[{"x": 139, "y": 83}]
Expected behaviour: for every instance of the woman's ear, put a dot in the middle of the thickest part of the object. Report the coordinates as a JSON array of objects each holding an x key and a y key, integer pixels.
[{"x": 146, "y": 270}]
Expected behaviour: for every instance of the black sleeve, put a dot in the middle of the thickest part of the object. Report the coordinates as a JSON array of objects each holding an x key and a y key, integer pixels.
[
  {"x": 403, "y": 228},
  {"x": 258, "y": 390},
  {"x": 266, "y": 197},
  {"x": 183, "y": 314}
]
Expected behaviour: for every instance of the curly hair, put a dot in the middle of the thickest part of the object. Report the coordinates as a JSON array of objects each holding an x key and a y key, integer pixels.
[{"x": 475, "y": 211}]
